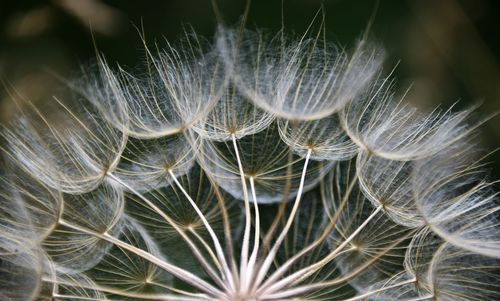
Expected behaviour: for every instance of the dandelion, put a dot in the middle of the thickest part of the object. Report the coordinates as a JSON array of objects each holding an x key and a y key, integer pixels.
[{"x": 256, "y": 167}]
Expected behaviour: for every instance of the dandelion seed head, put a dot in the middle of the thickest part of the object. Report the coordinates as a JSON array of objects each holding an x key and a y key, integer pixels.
[{"x": 254, "y": 167}]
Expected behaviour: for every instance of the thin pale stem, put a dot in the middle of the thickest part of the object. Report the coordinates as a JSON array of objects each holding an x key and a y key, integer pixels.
[
  {"x": 215, "y": 240},
  {"x": 311, "y": 269},
  {"x": 282, "y": 208},
  {"x": 248, "y": 216},
  {"x": 370, "y": 293},
  {"x": 289, "y": 263},
  {"x": 74, "y": 297},
  {"x": 206, "y": 246},
  {"x": 429, "y": 297},
  {"x": 227, "y": 232},
  {"x": 172, "y": 223},
  {"x": 222, "y": 207},
  {"x": 255, "y": 251},
  {"x": 263, "y": 269},
  {"x": 182, "y": 295},
  {"x": 152, "y": 297},
  {"x": 179, "y": 291},
  {"x": 300, "y": 290},
  {"x": 180, "y": 273}
]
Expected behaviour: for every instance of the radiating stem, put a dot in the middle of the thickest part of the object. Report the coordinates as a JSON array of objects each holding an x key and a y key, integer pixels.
[
  {"x": 153, "y": 297},
  {"x": 282, "y": 294},
  {"x": 255, "y": 251},
  {"x": 222, "y": 206},
  {"x": 74, "y": 297},
  {"x": 215, "y": 240},
  {"x": 172, "y": 223},
  {"x": 289, "y": 263},
  {"x": 180, "y": 273},
  {"x": 182, "y": 295},
  {"x": 263, "y": 269},
  {"x": 370, "y": 293},
  {"x": 266, "y": 243},
  {"x": 248, "y": 216},
  {"x": 206, "y": 246},
  {"x": 180, "y": 291},
  {"x": 311, "y": 269},
  {"x": 429, "y": 297}
]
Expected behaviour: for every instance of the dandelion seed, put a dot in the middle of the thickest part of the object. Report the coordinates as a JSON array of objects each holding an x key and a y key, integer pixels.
[
  {"x": 181, "y": 86},
  {"x": 296, "y": 78},
  {"x": 384, "y": 126},
  {"x": 72, "y": 155}
]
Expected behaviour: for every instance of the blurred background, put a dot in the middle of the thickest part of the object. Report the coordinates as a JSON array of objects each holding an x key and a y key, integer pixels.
[{"x": 448, "y": 50}]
